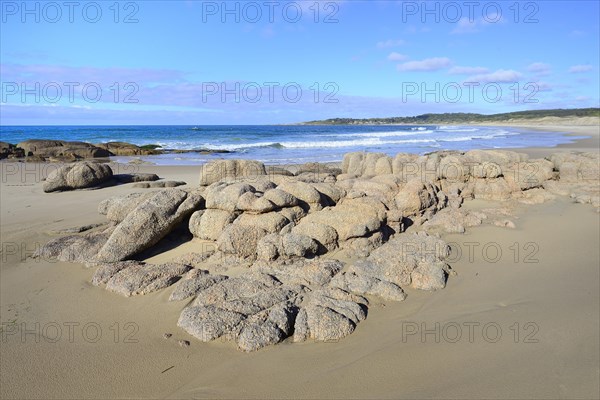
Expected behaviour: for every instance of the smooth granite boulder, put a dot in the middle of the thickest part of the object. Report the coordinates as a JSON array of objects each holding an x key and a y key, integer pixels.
[
  {"x": 148, "y": 223},
  {"x": 80, "y": 175}
]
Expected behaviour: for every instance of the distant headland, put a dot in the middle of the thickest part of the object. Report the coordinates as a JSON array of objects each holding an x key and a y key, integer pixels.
[{"x": 464, "y": 118}]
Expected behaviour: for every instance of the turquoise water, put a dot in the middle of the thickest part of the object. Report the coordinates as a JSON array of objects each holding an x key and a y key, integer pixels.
[{"x": 292, "y": 144}]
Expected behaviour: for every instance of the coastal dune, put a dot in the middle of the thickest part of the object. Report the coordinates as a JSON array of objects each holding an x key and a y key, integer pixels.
[{"x": 517, "y": 317}]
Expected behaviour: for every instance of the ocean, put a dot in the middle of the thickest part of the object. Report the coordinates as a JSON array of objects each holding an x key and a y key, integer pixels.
[{"x": 281, "y": 144}]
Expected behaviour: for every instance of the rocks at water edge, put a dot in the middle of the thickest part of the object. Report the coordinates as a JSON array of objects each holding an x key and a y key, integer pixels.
[
  {"x": 8, "y": 150},
  {"x": 43, "y": 149},
  {"x": 60, "y": 149}
]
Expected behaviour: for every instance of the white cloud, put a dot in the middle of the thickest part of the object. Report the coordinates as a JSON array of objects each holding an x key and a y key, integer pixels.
[
  {"x": 390, "y": 43},
  {"x": 580, "y": 68},
  {"x": 396, "y": 56},
  {"x": 499, "y": 76},
  {"x": 539, "y": 68},
  {"x": 473, "y": 25},
  {"x": 468, "y": 70},
  {"x": 429, "y": 64},
  {"x": 465, "y": 25}
]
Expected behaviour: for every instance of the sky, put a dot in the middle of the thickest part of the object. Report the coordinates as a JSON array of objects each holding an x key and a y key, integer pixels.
[{"x": 277, "y": 62}]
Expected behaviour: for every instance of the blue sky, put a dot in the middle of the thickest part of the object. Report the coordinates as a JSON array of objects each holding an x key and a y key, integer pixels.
[{"x": 194, "y": 62}]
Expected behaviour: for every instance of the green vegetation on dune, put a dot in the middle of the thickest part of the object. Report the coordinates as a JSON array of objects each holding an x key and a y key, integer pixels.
[{"x": 462, "y": 118}]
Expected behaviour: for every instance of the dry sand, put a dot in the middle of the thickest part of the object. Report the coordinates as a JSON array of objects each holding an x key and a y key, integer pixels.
[{"x": 548, "y": 313}]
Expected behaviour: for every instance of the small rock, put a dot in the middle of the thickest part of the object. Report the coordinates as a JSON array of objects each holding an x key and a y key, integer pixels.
[{"x": 505, "y": 223}]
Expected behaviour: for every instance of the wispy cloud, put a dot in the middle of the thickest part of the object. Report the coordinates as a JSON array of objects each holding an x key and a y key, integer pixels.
[
  {"x": 539, "y": 68},
  {"x": 465, "y": 25},
  {"x": 499, "y": 76},
  {"x": 468, "y": 70},
  {"x": 393, "y": 56},
  {"x": 575, "y": 69},
  {"x": 543, "y": 86},
  {"x": 428, "y": 64},
  {"x": 390, "y": 43}
]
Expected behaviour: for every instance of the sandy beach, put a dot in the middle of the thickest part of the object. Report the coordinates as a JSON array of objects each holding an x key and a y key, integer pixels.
[{"x": 522, "y": 323}]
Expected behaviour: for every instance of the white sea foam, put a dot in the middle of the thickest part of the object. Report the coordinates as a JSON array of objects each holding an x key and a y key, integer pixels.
[{"x": 380, "y": 134}]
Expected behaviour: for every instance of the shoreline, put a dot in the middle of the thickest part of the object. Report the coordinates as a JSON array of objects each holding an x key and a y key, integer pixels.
[{"x": 565, "y": 127}]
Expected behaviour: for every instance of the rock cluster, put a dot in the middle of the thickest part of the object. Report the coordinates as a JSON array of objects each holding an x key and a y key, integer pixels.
[
  {"x": 277, "y": 239},
  {"x": 60, "y": 150},
  {"x": 8, "y": 150}
]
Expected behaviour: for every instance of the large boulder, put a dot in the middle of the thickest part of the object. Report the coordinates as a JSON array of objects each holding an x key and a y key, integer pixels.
[
  {"x": 329, "y": 314},
  {"x": 116, "y": 208},
  {"x": 417, "y": 196},
  {"x": 280, "y": 198},
  {"x": 225, "y": 195},
  {"x": 148, "y": 223},
  {"x": 492, "y": 189},
  {"x": 77, "y": 176},
  {"x": 408, "y": 259},
  {"x": 273, "y": 246},
  {"x": 330, "y": 194},
  {"x": 324, "y": 235},
  {"x": 254, "y": 203},
  {"x": 529, "y": 175},
  {"x": 368, "y": 285},
  {"x": 209, "y": 224},
  {"x": 309, "y": 197},
  {"x": 366, "y": 164},
  {"x": 217, "y": 170},
  {"x": 405, "y": 166},
  {"x": 271, "y": 222},
  {"x": 349, "y": 219},
  {"x": 580, "y": 168},
  {"x": 241, "y": 240}
]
